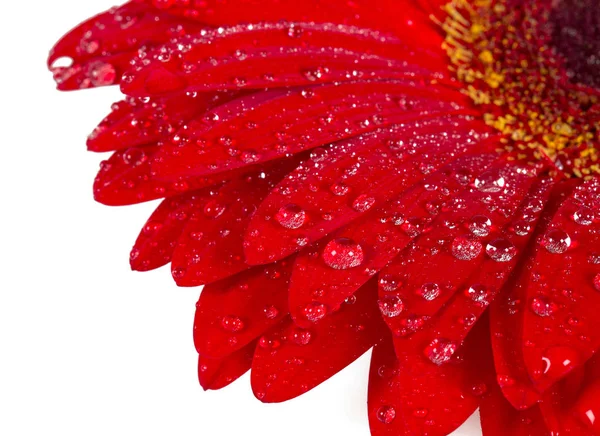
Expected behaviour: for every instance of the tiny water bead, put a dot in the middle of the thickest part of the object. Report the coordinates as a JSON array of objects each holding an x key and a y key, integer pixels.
[
  {"x": 556, "y": 241},
  {"x": 543, "y": 306},
  {"x": 480, "y": 225},
  {"x": 291, "y": 216},
  {"x": 429, "y": 291},
  {"x": 363, "y": 203},
  {"x": 440, "y": 351},
  {"x": 479, "y": 294},
  {"x": 490, "y": 181},
  {"x": 501, "y": 250},
  {"x": 386, "y": 414},
  {"x": 465, "y": 248},
  {"x": 343, "y": 253},
  {"x": 389, "y": 283},
  {"x": 596, "y": 282},
  {"x": 391, "y": 306},
  {"x": 314, "y": 311},
  {"x": 232, "y": 324},
  {"x": 301, "y": 336},
  {"x": 584, "y": 216}
]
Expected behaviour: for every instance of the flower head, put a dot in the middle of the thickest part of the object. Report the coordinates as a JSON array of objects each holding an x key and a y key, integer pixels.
[{"x": 420, "y": 177}]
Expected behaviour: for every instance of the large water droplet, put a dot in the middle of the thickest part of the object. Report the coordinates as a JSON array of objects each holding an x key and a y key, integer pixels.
[
  {"x": 464, "y": 248},
  {"x": 556, "y": 241},
  {"x": 440, "y": 350},
  {"x": 232, "y": 323},
  {"x": 429, "y": 291},
  {"x": 343, "y": 253},
  {"x": 490, "y": 181},
  {"x": 480, "y": 225},
  {"x": 584, "y": 216},
  {"x": 291, "y": 216},
  {"x": 479, "y": 294},
  {"x": 501, "y": 250},
  {"x": 391, "y": 306},
  {"x": 314, "y": 311},
  {"x": 542, "y": 306},
  {"x": 386, "y": 414}
]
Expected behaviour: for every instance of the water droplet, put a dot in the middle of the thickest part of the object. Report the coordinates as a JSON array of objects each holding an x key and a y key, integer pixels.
[
  {"x": 213, "y": 209},
  {"x": 490, "y": 181},
  {"x": 269, "y": 343},
  {"x": 314, "y": 311},
  {"x": 480, "y": 225},
  {"x": 343, "y": 253},
  {"x": 391, "y": 306},
  {"x": 420, "y": 413},
  {"x": 386, "y": 414},
  {"x": 339, "y": 189},
  {"x": 301, "y": 336},
  {"x": 584, "y": 216},
  {"x": 232, "y": 323},
  {"x": 556, "y": 241},
  {"x": 440, "y": 351},
  {"x": 363, "y": 203},
  {"x": 479, "y": 294},
  {"x": 102, "y": 74},
  {"x": 542, "y": 306},
  {"x": 464, "y": 248},
  {"x": 178, "y": 273},
  {"x": 291, "y": 216},
  {"x": 134, "y": 157},
  {"x": 271, "y": 312},
  {"x": 596, "y": 282},
  {"x": 501, "y": 250},
  {"x": 429, "y": 291},
  {"x": 389, "y": 283}
]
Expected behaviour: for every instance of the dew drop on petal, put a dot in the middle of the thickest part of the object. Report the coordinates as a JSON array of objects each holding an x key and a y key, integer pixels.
[
  {"x": 584, "y": 216},
  {"x": 479, "y": 294},
  {"x": 556, "y": 241},
  {"x": 440, "y": 350},
  {"x": 480, "y": 225},
  {"x": 501, "y": 250},
  {"x": 464, "y": 248},
  {"x": 429, "y": 291},
  {"x": 363, "y": 203},
  {"x": 490, "y": 181},
  {"x": 301, "y": 336},
  {"x": 291, "y": 216},
  {"x": 386, "y": 414},
  {"x": 314, "y": 311},
  {"x": 271, "y": 312},
  {"x": 389, "y": 283},
  {"x": 232, "y": 324},
  {"x": 102, "y": 74},
  {"x": 542, "y": 306},
  {"x": 391, "y": 306},
  {"x": 343, "y": 253},
  {"x": 269, "y": 343},
  {"x": 596, "y": 282},
  {"x": 213, "y": 209}
]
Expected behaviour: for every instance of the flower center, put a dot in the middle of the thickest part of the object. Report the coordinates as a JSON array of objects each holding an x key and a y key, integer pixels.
[
  {"x": 576, "y": 37},
  {"x": 533, "y": 85}
]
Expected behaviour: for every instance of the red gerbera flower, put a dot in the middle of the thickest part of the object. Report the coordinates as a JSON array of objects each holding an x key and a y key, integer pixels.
[{"x": 418, "y": 176}]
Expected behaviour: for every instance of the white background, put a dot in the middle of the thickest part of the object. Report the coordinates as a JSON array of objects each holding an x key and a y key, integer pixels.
[{"x": 88, "y": 347}]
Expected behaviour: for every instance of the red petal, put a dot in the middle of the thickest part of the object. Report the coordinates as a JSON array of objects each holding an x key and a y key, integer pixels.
[
  {"x": 127, "y": 178},
  {"x": 233, "y": 312},
  {"x": 379, "y": 166},
  {"x": 134, "y": 122},
  {"x": 268, "y": 55},
  {"x": 441, "y": 261},
  {"x": 156, "y": 242},
  {"x": 102, "y": 47},
  {"x": 290, "y": 361},
  {"x": 561, "y": 328},
  {"x": 217, "y": 373},
  {"x": 506, "y": 319},
  {"x": 272, "y": 124},
  {"x": 400, "y": 18},
  {"x": 211, "y": 246},
  {"x": 381, "y": 236},
  {"x": 499, "y": 418},
  {"x": 409, "y": 395}
]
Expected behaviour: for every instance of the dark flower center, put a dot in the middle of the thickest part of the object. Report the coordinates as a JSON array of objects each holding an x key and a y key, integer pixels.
[{"x": 576, "y": 37}]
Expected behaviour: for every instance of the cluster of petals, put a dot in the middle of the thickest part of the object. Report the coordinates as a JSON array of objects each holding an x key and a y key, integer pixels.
[{"x": 325, "y": 177}]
